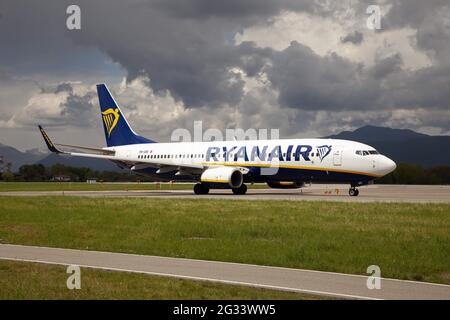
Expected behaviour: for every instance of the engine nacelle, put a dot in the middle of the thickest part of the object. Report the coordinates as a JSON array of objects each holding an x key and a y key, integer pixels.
[
  {"x": 232, "y": 176},
  {"x": 285, "y": 184}
]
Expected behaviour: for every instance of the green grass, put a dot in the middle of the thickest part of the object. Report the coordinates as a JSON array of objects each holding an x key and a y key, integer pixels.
[
  {"x": 83, "y": 186},
  {"x": 24, "y": 280},
  {"x": 407, "y": 241}
]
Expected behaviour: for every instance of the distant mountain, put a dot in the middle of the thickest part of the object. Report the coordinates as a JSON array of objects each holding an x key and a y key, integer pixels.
[
  {"x": 94, "y": 164},
  {"x": 373, "y": 133},
  {"x": 403, "y": 145},
  {"x": 19, "y": 158}
]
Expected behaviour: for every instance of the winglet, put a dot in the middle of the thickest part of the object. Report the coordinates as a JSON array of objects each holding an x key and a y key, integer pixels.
[{"x": 48, "y": 142}]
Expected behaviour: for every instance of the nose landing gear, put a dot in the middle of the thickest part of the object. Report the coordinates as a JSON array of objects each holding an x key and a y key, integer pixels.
[{"x": 353, "y": 192}]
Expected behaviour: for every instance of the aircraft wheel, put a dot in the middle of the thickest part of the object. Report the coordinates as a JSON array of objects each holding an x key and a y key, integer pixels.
[
  {"x": 201, "y": 189},
  {"x": 353, "y": 192},
  {"x": 241, "y": 190}
]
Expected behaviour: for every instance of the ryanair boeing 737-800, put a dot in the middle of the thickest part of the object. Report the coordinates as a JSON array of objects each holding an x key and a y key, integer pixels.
[{"x": 284, "y": 163}]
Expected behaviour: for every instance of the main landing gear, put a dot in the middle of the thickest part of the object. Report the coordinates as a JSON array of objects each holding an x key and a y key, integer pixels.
[
  {"x": 353, "y": 192},
  {"x": 201, "y": 189},
  {"x": 241, "y": 190}
]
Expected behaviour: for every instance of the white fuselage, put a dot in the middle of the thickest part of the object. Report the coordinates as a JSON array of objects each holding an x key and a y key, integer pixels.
[{"x": 314, "y": 156}]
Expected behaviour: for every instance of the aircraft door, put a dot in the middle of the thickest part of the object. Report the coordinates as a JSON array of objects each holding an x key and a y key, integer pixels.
[{"x": 337, "y": 158}]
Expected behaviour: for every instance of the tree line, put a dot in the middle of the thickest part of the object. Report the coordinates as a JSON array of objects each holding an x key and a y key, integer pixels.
[
  {"x": 416, "y": 174},
  {"x": 40, "y": 173}
]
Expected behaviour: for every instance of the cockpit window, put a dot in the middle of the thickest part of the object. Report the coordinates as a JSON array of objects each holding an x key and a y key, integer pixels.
[{"x": 366, "y": 152}]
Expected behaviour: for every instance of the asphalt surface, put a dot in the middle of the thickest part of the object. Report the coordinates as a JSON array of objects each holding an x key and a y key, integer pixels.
[
  {"x": 373, "y": 193},
  {"x": 295, "y": 280}
]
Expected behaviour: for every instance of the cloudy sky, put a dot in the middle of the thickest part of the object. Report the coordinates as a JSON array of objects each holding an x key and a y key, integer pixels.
[{"x": 307, "y": 68}]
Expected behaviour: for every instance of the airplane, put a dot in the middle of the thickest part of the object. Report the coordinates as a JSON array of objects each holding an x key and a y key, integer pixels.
[{"x": 282, "y": 163}]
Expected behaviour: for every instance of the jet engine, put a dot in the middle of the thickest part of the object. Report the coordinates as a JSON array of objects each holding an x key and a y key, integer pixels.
[{"x": 231, "y": 175}]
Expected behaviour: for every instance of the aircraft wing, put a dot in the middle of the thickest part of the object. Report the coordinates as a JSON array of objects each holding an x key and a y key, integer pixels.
[{"x": 94, "y": 150}]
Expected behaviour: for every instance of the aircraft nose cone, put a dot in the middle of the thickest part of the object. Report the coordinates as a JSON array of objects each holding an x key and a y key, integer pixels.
[
  {"x": 388, "y": 165},
  {"x": 391, "y": 165}
]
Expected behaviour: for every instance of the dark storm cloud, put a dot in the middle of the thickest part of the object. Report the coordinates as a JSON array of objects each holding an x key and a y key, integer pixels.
[
  {"x": 64, "y": 87},
  {"x": 355, "y": 37},
  {"x": 233, "y": 9},
  {"x": 186, "y": 48},
  {"x": 78, "y": 110},
  {"x": 386, "y": 66},
  {"x": 308, "y": 81},
  {"x": 192, "y": 58}
]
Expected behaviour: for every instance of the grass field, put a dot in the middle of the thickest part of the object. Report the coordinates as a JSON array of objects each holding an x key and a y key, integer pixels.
[
  {"x": 24, "y": 280},
  {"x": 407, "y": 241},
  {"x": 82, "y": 186}
]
